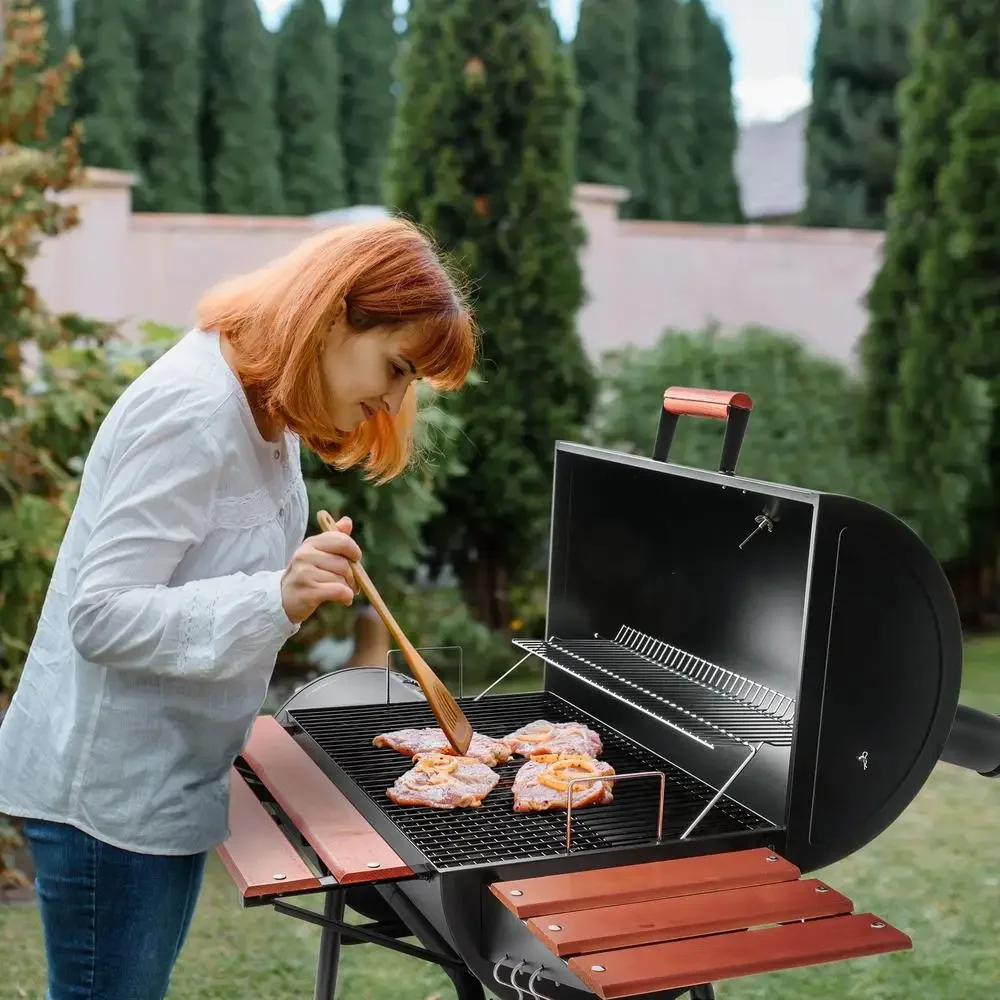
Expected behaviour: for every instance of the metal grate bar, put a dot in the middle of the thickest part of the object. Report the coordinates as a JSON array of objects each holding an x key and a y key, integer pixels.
[
  {"x": 494, "y": 832},
  {"x": 710, "y": 675},
  {"x": 706, "y": 703}
]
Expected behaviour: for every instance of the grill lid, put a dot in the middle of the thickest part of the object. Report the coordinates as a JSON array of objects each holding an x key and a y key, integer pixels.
[{"x": 834, "y": 607}]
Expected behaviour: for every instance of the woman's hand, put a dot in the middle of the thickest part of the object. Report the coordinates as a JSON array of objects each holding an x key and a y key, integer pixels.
[{"x": 320, "y": 571}]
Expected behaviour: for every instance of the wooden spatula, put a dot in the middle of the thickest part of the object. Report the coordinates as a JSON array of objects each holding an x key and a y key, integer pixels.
[{"x": 446, "y": 710}]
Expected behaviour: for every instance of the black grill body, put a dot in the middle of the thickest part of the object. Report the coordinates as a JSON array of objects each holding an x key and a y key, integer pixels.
[{"x": 789, "y": 660}]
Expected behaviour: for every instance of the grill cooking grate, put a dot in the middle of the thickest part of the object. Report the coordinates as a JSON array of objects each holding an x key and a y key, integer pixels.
[
  {"x": 705, "y": 702},
  {"x": 494, "y": 833}
]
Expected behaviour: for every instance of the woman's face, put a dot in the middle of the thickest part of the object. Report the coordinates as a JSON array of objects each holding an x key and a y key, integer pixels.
[{"x": 366, "y": 372}]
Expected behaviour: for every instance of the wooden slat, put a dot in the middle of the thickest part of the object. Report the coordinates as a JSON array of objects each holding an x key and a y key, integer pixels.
[
  {"x": 611, "y": 927},
  {"x": 348, "y": 844},
  {"x": 678, "y": 964},
  {"x": 257, "y": 854},
  {"x": 636, "y": 883}
]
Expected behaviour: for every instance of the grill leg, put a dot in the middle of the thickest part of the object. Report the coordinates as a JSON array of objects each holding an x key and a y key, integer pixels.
[
  {"x": 329, "y": 947},
  {"x": 467, "y": 987},
  {"x": 705, "y": 992}
]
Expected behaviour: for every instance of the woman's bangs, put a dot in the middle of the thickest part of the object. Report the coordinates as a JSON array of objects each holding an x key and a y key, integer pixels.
[{"x": 443, "y": 349}]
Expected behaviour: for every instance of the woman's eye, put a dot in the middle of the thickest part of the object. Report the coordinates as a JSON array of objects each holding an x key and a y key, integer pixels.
[{"x": 397, "y": 372}]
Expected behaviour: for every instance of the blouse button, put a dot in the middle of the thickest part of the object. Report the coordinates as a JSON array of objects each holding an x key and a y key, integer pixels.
[{"x": 277, "y": 453}]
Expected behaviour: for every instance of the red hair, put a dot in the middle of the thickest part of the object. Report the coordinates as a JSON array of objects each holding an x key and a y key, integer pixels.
[{"x": 277, "y": 319}]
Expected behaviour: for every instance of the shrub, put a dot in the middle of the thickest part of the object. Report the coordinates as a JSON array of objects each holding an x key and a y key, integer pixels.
[
  {"x": 51, "y": 407},
  {"x": 800, "y": 432}
]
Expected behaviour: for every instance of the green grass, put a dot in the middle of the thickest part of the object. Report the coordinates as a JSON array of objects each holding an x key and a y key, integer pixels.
[{"x": 934, "y": 874}]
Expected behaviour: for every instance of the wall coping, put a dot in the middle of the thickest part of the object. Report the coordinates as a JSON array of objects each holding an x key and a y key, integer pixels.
[
  {"x": 753, "y": 233},
  {"x": 601, "y": 194},
  {"x": 171, "y": 221},
  {"x": 104, "y": 177}
]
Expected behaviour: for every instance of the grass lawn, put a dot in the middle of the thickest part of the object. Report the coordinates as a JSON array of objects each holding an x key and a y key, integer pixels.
[{"x": 935, "y": 874}]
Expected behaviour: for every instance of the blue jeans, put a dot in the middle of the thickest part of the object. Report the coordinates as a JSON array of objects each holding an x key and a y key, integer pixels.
[{"x": 114, "y": 921}]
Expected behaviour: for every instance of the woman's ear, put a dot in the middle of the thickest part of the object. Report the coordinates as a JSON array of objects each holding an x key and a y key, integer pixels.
[{"x": 339, "y": 314}]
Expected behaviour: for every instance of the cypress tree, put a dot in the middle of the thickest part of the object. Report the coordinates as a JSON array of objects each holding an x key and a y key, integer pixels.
[
  {"x": 924, "y": 411},
  {"x": 367, "y": 44},
  {"x": 852, "y": 137},
  {"x": 970, "y": 267},
  {"x": 605, "y": 56},
  {"x": 312, "y": 161},
  {"x": 665, "y": 114},
  {"x": 482, "y": 156},
  {"x": 56, "y": 47},
  {"x": 169, "y": 104},
  {"x": 715, "y": 129},
  {"x": 240, "y": 141},
  {"x": 106, "y": 90}
]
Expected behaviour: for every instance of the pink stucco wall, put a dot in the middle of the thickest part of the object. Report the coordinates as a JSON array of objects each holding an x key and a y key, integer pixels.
[{"x": 641, "y": 277}]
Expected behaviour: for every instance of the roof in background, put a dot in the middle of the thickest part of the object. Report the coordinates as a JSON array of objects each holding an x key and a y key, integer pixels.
[{"x": 770, "y": 166}]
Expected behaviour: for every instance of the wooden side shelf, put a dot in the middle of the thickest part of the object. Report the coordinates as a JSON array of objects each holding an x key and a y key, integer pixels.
[
  {"x": 347, "y": 843},
  {"x": 669, "y": 925},
  {"x": 257, "y": 854},
  {"x": 634, "y": 883}
]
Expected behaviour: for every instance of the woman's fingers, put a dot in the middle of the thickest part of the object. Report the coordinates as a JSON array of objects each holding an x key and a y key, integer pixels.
[
  {"x": 334, "y": 565},
  {"x": 335, "y": 543},
  {"x": 337, "y": 592}
]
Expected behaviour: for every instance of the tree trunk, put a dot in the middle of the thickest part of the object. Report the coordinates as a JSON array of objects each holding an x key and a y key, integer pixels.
[{"x": 371, "y": 640}]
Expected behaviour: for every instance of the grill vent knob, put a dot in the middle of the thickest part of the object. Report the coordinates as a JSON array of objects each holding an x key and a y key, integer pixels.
[
  {"x": 278, "y": 876},
  {"x": 597, "y": 968},
  {"x": 516, "y": 892},
  {"x": 555, "y": 927},
  {"x": 374, "y": 864}
]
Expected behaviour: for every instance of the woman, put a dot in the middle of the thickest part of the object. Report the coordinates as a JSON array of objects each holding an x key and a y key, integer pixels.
[{"x": 183, "y": 571}]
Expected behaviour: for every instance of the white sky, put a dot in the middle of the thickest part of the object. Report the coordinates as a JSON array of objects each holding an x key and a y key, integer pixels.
[{"x": 771, "y": 41}]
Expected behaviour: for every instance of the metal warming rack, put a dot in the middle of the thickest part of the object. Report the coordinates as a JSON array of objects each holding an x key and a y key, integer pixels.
[{"x": 700, "y": 700}]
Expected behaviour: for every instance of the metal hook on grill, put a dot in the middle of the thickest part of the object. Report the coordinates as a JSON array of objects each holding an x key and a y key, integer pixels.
[
  {"x": 511, "y": 984},
  {"x": 531, "y": 985}
]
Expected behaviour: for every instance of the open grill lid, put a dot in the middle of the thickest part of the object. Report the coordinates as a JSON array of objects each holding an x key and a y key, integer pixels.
[{"x": 814, "y": 629}]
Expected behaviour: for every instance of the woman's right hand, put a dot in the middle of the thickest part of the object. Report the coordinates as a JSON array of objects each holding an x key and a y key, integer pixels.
[{"x": 320, "y": 571}]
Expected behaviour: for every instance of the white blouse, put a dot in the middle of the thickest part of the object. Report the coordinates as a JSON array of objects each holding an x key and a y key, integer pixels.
[{"x": 163, "y": 618}]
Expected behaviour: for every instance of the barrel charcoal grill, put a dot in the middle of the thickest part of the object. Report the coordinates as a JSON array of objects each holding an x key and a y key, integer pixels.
[{"x": 774, "y": 673}]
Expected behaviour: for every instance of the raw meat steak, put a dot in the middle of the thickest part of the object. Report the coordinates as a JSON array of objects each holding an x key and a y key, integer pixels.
[
  {"x": 543, "y": 737},
  {"x": 441, "y": 781},
  {"x": 543, "y": 783},
  {"x": 415, "y": 741}
]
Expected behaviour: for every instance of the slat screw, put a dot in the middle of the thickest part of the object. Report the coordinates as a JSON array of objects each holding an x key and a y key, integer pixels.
[
  {"x": 555, "y": 927},
  {"x": 877, "y": 925},
  {"x": 278, "y": 876},
  {"x": 598, "y": 968},
  {"x": 516, "y": 892},
  {"x": 822, "y": 888},
  {"x": 771, "y": 857},
  {"x": 374, "y": 864}
]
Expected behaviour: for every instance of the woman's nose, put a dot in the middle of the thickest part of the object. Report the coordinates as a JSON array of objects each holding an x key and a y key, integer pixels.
[{"x": 393, "y": 400}]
